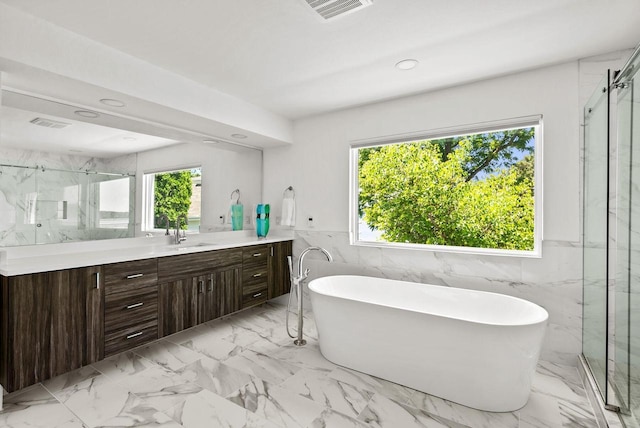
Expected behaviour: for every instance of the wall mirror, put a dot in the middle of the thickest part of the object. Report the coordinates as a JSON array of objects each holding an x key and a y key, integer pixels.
[{"x": 68, "y": 173}]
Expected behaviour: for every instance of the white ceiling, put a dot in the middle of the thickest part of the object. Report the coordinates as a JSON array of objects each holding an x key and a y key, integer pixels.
[{"x": 279, "y": 55}]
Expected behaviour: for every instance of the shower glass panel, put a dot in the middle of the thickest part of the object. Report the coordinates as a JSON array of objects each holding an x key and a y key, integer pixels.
[
  {"x": 57, "y": 209},
  {"x": 596, "y": 155},
  {"x": 18, "y": 194},
  {"x": 627, "y": 311},
  {"x": 44, "y": 206}
]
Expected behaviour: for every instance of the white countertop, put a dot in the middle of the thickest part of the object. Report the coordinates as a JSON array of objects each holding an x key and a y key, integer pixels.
[{"x": 43, "y": 258}]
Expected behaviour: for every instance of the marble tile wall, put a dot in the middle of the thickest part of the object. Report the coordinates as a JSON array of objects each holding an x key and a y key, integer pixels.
[
  {"x": 553, "y": 281},
  {"x": 29, "y": 197}
]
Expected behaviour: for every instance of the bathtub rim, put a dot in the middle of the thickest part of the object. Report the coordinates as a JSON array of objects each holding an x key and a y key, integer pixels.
[{"x": 543, "y": 319}]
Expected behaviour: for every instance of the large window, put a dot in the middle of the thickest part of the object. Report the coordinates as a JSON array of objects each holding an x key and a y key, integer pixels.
[
  {"x": 172, "y": 193},
  {"x": 471, "y": 190}
]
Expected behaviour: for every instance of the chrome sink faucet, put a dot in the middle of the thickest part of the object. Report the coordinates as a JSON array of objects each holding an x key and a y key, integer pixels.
[{"x": 181, "y": 235}]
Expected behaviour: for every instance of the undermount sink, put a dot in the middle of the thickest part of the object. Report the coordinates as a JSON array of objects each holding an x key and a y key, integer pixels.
[{"x": 183, "y": 247}]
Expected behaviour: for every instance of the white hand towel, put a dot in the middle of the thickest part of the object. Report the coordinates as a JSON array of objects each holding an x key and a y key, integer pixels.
[{"x": 288, "y": 217}]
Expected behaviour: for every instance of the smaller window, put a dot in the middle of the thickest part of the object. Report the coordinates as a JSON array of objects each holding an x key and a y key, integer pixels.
[
  {"x": 172, "y": 193},
  {"x": 467, "y": 191},
  {"x": 113, "y": 203}
]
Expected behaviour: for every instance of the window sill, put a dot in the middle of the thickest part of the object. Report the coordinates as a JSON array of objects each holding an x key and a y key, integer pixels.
[{"x": 534, "y": 254}]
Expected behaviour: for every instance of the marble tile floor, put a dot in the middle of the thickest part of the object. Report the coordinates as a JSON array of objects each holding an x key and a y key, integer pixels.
[{"x": 244, "y": 371}]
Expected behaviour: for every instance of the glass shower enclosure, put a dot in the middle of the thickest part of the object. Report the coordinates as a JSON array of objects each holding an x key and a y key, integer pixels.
[
  {"x": 611, "y": 241},
  {"x": 45, "y": 205}
]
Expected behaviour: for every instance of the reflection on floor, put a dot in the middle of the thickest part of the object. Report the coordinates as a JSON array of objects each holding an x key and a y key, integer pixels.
[{"x": 244, "y": 371}]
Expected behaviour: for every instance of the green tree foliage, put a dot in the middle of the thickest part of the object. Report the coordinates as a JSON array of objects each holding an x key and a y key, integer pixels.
[
  {"x": 488, "y": 152},
  {"x": 172, "y": 193},
  {"x": 474, "y": 191}
]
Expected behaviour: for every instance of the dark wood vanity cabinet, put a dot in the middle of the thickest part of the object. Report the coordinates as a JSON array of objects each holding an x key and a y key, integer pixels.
[
  {"x": 195, "y": 288},
  {"x": 51, "y": 323},
  {"x": 54, "y": 322}
]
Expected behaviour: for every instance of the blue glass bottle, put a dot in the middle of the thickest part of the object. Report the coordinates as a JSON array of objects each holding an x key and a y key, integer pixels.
[{"x": 262, "y": 220}]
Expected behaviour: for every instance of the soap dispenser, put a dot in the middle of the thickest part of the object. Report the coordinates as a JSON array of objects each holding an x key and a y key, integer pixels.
[{"x": 262, "y": 220}]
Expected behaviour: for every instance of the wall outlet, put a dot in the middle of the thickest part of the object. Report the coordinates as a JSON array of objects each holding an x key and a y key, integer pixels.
[
  {"x": 310, "y": 222},
  {"x": 247, "y": 219},
  {"x": 221, "y": 219}
]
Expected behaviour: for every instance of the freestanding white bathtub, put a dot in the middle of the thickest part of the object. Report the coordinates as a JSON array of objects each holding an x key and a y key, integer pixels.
[{"x": 475, "y": 348}]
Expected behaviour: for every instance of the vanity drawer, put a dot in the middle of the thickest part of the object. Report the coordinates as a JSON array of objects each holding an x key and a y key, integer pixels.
[
  {"x": 255, "y": 256},
  {"x": 124, "y": 309},
  {"x": 136, "y": 335},
  {"x": 255, "y": 275},
  {"x": 120, "y": 277},
  {"x": 254, "y": 295}
]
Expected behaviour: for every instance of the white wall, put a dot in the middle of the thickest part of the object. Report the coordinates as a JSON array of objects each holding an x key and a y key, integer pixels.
[
  {"x": 223, "y": 171},
  {"x": 318, "y": 168}
]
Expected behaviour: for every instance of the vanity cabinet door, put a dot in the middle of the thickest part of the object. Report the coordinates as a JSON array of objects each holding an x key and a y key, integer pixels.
[
  {"x": 26, "y": 330},
  {"x": 51, "y": 324},
  {"x": 77, "y": 318},
  {"x": 279, "y": 282},
  {"x": 177, "y": 305},
  {"x": 93, "y": 280},
  {"x": 229, "y": 290},
  {"x": 208, "y": 295}
]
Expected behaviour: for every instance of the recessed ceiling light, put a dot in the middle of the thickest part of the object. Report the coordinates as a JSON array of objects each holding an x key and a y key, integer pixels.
[
  {"x": 209, "y": 141},
  {"x": 87, "y": 113},
  {"x": 407, "y": 64},
  {"x": 111, "y": 102},
  {"x": 240, "y": 136}
]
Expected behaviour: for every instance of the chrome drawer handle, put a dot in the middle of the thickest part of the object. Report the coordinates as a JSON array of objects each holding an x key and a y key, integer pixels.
[
  {"x": 97, "y": 280},
  {"x": 257, "y": 254},
  {"x": 257, "y": 275},
  {"x": 136, "y": 305},
  {"x": 131, "y": 336},
  {"x": 137, "y": 275},
  {"x": 257, "y": 295}
]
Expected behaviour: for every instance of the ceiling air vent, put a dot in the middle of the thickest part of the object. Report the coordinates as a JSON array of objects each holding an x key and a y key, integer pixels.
[
  {"x": 48, "y": 123},
  {"x": 330, "y": 9}
]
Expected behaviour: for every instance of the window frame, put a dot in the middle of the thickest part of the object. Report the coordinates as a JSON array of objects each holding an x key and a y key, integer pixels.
[
  {"x": 493, "y": 126},
  {"x": 148, "y": 181}
]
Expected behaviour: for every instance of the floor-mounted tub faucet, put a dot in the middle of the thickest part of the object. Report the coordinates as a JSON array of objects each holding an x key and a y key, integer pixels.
[{"x": 296, "y": 284}]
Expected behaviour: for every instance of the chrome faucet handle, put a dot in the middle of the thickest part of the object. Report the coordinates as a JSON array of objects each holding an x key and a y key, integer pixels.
[{"x": 166, "y": 223}]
